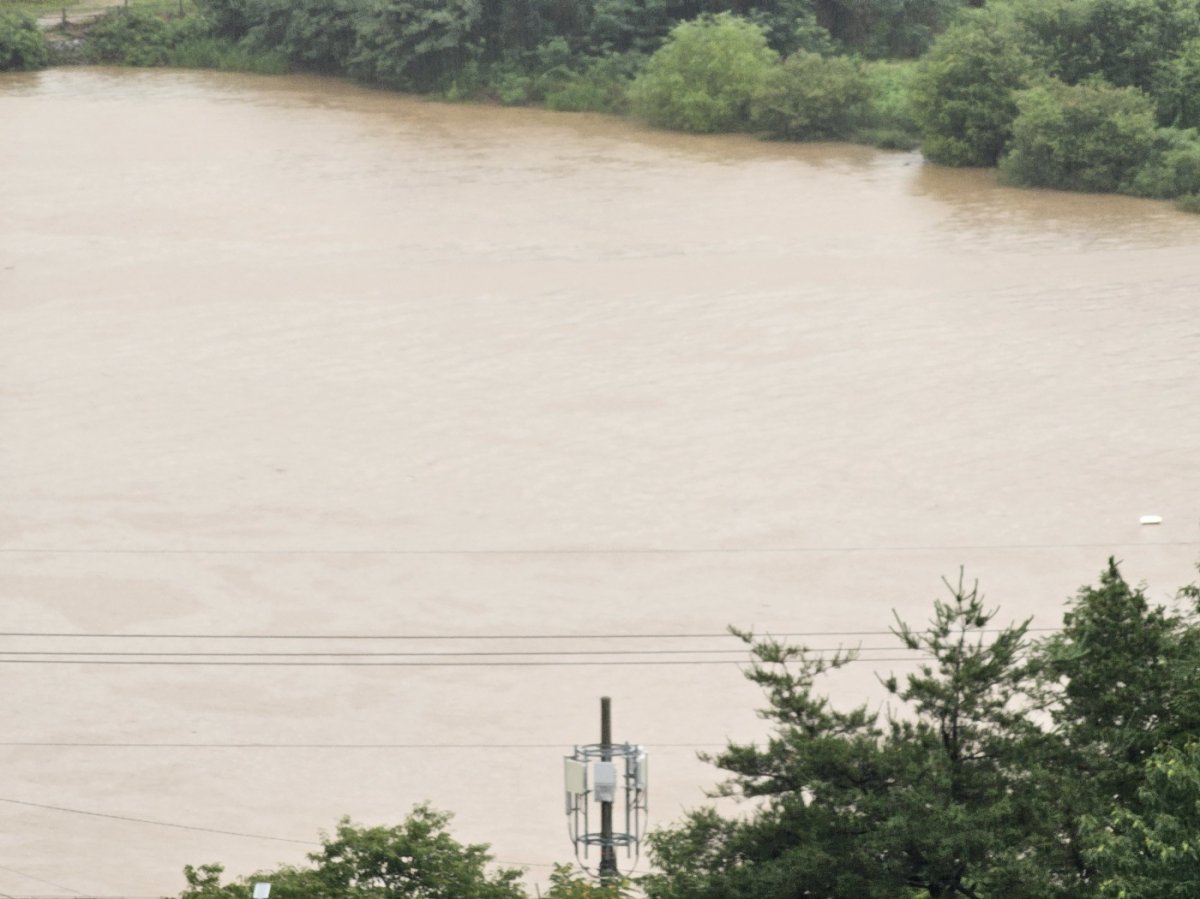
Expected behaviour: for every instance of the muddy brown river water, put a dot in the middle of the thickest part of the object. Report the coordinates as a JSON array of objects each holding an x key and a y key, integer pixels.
[{"x": 282, "y": 357}]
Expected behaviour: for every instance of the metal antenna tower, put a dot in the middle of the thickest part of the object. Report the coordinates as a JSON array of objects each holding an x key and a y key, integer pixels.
[{"x": 590, "y": 774}]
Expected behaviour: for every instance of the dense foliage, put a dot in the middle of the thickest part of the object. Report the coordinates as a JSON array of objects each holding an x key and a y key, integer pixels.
[
  {"x": 811, "y": 97},
  {"x": 568, "y": 54},
  {"x": 1012, "y": 768},
  {"x": 318, "y": 35},
  {"x": 964, "y": 96},
  {"x": 1172, "y": 168},
  {"x": 22, "y": 44},
  {"x": 705, "y": 76},
  {"x": 1056, "y": 64},
  {"x": 413, "y": 44},
  {"x": 1153, "y": 852},
  {"x": 1089, "y": 136},
  {"x": 139, "y": 37},
  {"x": 1054, "y": 91}
]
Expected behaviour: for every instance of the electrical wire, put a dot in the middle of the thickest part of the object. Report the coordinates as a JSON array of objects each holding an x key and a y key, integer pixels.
[
  {"x": 580, "y": 551},
  {"x": 511, "y": 658},
  {"x": 16, "y": 744},
  {"x": 49, "y": 883},
  {"x": 193, "y": 659},
  {"x": 539, "y": 664},
  {"x": 229, "y": 833},
  {"x": 574, "y": 657},
  {"x": 111, "y": 635},
  {"x": 213, "y": 830},
  {"x": 356, "y": 655}
]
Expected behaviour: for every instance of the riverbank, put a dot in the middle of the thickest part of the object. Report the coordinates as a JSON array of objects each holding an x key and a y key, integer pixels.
[{"x": 979, "y": 96}]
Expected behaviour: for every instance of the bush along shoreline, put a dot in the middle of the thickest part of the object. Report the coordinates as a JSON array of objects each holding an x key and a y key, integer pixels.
[{"x": 1083, "y": 95}]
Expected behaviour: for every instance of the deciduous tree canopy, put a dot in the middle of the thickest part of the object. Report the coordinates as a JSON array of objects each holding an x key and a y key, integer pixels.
[{"x": 417, "y": 859}]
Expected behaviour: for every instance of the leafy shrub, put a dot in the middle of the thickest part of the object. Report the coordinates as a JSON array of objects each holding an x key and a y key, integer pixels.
[
  {"x": 810, "y": 97},
  {"x": 138, "y": 37},
  {"x": 22, "y": 44},
  {"x": 516, "y": 78},
  {"x": 414, "y": 44},
  {"x": 1173, "y": 167},
  {"x": 705, "y": 76},
  {"x": 550, "y": 74},
  {"x": 1189, "y": 203},
  {"x": 132, "y": 37},
  {"x": 890, "y": 122},
  {"x": 318, "y": 35},
  {"x": 602, "y": 86},
  {"x": 513, "y": 88},
  {"x": 963, "y": 94},
  {"x": 1089, "y": 137}
]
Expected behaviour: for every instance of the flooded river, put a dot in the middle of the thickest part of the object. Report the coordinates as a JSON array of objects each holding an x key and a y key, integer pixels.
[{"x": 287, "y": 359}]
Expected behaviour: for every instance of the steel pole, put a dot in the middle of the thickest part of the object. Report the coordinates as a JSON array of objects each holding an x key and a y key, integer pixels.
[{"x": 608, "y": 853}]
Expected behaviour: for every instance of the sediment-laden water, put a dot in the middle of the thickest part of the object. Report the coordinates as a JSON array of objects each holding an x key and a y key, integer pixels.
[{"x": 288, "y": 357}]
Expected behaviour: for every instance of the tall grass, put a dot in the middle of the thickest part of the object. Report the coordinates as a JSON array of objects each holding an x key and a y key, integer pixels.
[
  {"x": 217, "y": 53},
  {"x": 890, "y": 123}
]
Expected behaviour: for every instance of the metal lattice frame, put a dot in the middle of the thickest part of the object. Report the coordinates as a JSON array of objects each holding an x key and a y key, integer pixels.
[{"x": 636, "y": 803}]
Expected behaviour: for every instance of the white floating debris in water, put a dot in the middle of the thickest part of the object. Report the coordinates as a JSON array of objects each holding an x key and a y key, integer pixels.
[{"x": 1150, "y": 519}]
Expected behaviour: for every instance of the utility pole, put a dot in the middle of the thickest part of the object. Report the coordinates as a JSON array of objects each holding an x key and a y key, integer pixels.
[
  {"x": 607, "y": 774},
  {"x": 608, "y": 853}
]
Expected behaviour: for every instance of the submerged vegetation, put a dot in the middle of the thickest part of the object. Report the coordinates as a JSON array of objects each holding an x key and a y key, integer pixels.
[{"x": 1095, "y": 95}]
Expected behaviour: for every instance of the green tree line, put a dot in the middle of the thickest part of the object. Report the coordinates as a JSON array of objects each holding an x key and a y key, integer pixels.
[
  {"x": 1092, "y": 95},
  {"x": 1005, "y": 767}
]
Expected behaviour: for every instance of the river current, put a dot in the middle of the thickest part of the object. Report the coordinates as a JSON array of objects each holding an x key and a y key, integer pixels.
[{"x": 284, "y": 360}]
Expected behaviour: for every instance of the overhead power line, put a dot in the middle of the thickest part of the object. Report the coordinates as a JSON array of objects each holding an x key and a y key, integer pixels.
[
  {"x": 391, "y": 655},
  {"x": 676, "y": 655},
  {"x": 228, "y": 833},
  {"x": 765, "y": 635},
  {"x": 342, "y": 664},
  {"x": 578, "y": 551},
  {"x": 544, "y": 658},
  {"x": 49, "y": 883},
  {"x": 49, "y": 744},
  {"x": 192, "y": 827}
]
